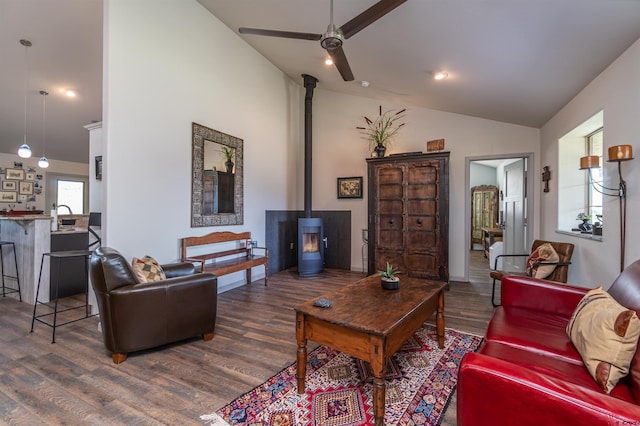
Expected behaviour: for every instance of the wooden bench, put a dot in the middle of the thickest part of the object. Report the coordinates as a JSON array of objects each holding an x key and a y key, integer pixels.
[{"x": 223, "y": 262}]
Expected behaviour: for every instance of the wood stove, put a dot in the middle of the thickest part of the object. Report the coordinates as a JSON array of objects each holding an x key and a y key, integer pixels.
[{"x": 310, "y": 246}]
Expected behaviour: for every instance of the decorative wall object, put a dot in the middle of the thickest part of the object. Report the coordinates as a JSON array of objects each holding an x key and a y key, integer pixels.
[
  {"x": 435, "y": 145},
  {"x": 99, "y": 167},
  {"x": 350, "y": 187},
  {"x": 546, "y": 177}
]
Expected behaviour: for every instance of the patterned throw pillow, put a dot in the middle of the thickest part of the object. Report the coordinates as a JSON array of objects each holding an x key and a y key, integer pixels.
[
  {"x": 544, "y": 253},
  {"x": 605, "y": 334},
  {"x": 147, "y": 269}
]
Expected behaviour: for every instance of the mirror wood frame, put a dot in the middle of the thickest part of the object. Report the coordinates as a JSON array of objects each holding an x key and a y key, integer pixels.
[{"x": 201, "y": 134}]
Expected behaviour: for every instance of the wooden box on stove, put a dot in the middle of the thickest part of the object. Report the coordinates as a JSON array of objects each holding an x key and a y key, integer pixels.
[{"x": 408, "y": 220}]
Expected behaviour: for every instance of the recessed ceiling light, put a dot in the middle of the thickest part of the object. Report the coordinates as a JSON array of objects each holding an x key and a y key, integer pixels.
[
  {"x": 328, "y": 61},
  {"x": 364, "y": 83},
  {"x": 70, "y": 93},
  {"x": 440, "y": 75}
]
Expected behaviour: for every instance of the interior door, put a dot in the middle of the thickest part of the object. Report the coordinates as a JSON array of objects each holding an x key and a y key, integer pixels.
[{"x": 515, "y": 220}]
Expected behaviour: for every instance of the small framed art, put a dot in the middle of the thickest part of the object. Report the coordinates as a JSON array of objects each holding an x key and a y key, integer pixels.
[
  {"x": 350, "y": 187},
  {"x": 15, "y": 174},
  {"x": 8, "y": 196},
  {"x": 9, "y": 185},
  {"x": 25, "y": 188}
]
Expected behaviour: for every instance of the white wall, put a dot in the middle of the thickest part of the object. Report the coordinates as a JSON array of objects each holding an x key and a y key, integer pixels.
[
  {"x": 95, "y": 149},
  {"x": 617, "y": 92},
  {"x": 479, "y": 174},
  {"x": 168, "y": 64},
  {"x": 339, "y": 151}
]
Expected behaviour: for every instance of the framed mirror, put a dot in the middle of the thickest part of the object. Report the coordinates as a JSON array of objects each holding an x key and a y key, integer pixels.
[{"x": 217, "y": 178}]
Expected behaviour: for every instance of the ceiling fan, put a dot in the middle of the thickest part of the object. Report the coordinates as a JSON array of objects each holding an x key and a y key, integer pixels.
[{"x": 333, "y": 38}]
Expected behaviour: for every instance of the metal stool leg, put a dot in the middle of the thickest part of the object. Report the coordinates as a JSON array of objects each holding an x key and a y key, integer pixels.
[
  {"x": 4, "y": 292},
  {"x": 15, "y": 259},
  {"x": 35, "y": 304}
]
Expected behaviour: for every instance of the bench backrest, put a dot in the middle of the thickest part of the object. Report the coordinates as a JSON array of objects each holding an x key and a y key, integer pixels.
[{"x": 213, "y": 238}]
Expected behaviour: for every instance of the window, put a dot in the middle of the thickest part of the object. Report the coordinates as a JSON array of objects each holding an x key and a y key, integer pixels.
[
  {"x": 593, "y": 144},
  {"x": 575, "y": 193},
  {"x": 70, "y": 194}
]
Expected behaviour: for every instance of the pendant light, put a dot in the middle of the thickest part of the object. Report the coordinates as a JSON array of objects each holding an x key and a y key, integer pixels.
[
  {"x": 43, "y": 162},
  {"x": 24, "y": 151}
]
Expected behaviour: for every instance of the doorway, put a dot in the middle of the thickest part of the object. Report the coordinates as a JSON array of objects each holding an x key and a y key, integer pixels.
[{"x": 510, "y": 174}]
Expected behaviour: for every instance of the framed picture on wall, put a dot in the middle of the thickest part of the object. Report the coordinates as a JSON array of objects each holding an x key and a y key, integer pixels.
[
  {"x": 99, "y": 167},
  {"x": 15, "y": 174},
  {"x": 9, "y": 185},
  {"x": 25, "y": 188},
  {"x": 350, "y": 187},
  {"x": 31, "y": 176},
  {"x": 8, "y": 196}
]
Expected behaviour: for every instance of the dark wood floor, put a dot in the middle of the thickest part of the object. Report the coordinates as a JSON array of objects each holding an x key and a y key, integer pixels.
[{"x": 75, "y": 382}]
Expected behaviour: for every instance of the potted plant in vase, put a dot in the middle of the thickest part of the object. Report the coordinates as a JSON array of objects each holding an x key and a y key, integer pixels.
[
  {"x": 228, "y": 154},
  {"x": 388, "y": 278},
  {"x": 380, "y": 131}
]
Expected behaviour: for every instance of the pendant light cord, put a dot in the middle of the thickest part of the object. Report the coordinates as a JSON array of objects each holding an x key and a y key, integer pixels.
[{"x": 26, "y": 78}]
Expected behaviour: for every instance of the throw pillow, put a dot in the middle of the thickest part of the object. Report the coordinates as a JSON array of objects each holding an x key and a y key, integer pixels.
[
  {"x": 147, "y": 269},
  {"x": 605, "y": 334},
  {"x": 543, "y": 253}
]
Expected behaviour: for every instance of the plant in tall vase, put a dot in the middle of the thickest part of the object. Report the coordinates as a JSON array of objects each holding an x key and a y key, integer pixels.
[
  {"x": 380, "y": 132},
  {"x": 228, "y": 154}
]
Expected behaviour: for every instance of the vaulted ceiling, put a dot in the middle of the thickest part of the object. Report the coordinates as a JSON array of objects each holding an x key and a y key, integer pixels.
[{"x": 507, "y": 60}]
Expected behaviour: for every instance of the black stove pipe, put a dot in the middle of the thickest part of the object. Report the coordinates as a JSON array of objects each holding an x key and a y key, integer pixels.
[{"x": 309, "y": 84}]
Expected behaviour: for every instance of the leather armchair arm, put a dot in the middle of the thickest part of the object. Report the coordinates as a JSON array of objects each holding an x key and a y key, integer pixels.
[
  {"x": 178, "y": 269},
  {"x": 496, "y": 392},
  {"x": 495, "y": 262},
  {"x": 547, "y": 296}
]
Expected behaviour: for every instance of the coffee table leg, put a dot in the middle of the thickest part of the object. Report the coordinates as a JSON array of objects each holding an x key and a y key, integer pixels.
[
  {"x": 301, "y": 371},
  {"x": 379, "y": 366},
  {"x": 440, "y": 320}
]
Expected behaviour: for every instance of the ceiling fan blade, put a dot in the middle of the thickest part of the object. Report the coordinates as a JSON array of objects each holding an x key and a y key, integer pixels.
[
  {"x": 276, "y": 33},
  {"x": 340, "y": 61},
  {"x": 369, "y": 16}
]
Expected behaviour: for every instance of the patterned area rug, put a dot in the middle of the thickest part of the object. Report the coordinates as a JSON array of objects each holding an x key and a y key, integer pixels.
[{"x": 419, "y": 383}]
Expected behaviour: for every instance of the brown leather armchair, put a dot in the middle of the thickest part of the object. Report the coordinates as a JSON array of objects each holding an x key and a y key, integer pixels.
[
  {"x": 137, "y": 316},
  {"x": 559, "y": 274}
]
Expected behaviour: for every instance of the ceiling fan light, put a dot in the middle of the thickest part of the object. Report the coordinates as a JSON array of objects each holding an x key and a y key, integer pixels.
[
  {"x": 43, "y": 163},
  {"x": 24, "y": 151}
]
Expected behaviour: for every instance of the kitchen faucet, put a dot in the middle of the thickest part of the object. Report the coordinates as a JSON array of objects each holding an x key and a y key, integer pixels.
[{"x": 68, "y": 208}]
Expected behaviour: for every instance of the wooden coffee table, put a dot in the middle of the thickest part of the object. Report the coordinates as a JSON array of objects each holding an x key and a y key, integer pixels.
[{"x": 369, "y": 323}]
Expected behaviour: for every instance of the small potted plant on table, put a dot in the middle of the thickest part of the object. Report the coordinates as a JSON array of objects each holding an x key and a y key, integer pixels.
[{"x": 388, "y": 278}]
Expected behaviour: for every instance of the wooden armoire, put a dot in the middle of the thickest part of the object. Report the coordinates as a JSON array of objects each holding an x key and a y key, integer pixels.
[
  {"x": 409, "y": 214},
  {"x": 484, "y": 211}
]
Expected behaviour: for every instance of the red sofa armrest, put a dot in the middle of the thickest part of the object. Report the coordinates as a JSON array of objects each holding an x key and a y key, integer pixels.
[
  {"x": 540, "y": 295},
  {"x": 496, "y": 392}
]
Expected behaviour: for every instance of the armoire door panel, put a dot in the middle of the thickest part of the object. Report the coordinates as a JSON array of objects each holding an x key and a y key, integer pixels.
[
  {"x": 422, "y": 239},
  {"x": 390, "y": 207},
  {"x": 422, "y": 191},
  {"x": 395, "y": 258},
  {"x": 390, "y": 192},
  {"x": 390, "y": 175},
  {"x": 417, "y": 207},
  {"x": 423, "y": 265},
  {"x": 422, "y": 223}
]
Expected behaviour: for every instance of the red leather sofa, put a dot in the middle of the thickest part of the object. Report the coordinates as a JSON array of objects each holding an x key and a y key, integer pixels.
[{"x": 528, "y": 372}]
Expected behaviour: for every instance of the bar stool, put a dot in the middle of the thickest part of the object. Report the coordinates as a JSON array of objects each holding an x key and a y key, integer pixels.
[
  {"x": 9, "y": 290},
  {"x": 58, "y": 256}
]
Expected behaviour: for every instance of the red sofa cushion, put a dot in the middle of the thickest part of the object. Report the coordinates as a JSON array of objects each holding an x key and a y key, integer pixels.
[
  {"x": 534, "y": 331},
  {"x": 553, "y": 367}
]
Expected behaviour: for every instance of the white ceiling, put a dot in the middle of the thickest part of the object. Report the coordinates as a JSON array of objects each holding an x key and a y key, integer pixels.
[{"x": 515, "y": 61}]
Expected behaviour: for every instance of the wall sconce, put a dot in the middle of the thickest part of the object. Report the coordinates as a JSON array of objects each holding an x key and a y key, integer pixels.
[{"x": 618, "y": 154}]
